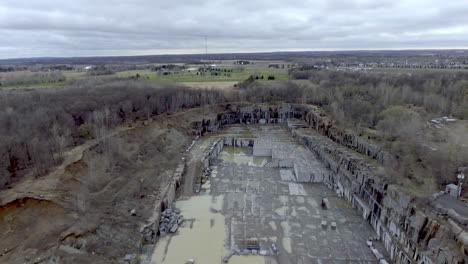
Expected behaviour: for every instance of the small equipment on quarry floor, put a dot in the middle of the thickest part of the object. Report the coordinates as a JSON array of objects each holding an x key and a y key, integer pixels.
[
  {"x": 325, "y": 204},
  {"x": 252, "y": 244}
]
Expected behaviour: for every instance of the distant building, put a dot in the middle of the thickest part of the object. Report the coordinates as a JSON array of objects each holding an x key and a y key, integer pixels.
[
  {"x": 453, "y": 190},
  {"x": 242, "y": 62}
]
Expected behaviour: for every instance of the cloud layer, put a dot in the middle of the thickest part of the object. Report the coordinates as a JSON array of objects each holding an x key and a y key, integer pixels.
[{"x": 105, "y": 27}]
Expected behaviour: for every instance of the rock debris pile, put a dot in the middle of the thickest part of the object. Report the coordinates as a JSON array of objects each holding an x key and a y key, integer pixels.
[
  {"x": 170, "y": 221},
  {"x": 205, "y": 175}
]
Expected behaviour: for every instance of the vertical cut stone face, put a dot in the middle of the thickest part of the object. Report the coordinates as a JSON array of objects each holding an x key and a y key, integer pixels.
[{"x": 404, "y": 228}]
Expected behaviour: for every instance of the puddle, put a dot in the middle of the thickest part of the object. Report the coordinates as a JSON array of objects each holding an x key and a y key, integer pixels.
[
  {"x": 281, "y": 211},
  {"x": 261, "y": 161},
  {"x": 304, "y": 209},
  {"x": 294, "y": 213},
  {"x": 300, "y": 200},
  {"x": 286, "y": 240},
  {"x": 286, "y": 228},
  {"x": 214, "y": 171},
  {"x": 312, "y": 202},
  {"x": 287, "y": 244},
  {"x": 240, "y": 156},
  {"x": 272, "y": 225},
  {"x": 202, "y": 241},
  {"x": 284, "y": 199},
  {"x": 296, "y": 189},
  {"x": 251, "y": 260}
]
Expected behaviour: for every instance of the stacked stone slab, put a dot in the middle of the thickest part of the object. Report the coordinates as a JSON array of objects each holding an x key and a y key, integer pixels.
[{"x": 170, "y": 221}]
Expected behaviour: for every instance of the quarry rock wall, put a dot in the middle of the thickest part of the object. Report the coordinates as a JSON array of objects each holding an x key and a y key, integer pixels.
[
  {"x": 410, "y": 234},
  {"x": 150, "y": 231},
  {"x": 317, "y": 120}
]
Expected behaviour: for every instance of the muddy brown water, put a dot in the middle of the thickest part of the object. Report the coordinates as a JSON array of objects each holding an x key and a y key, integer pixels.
[{"x": 202, "y": 236}]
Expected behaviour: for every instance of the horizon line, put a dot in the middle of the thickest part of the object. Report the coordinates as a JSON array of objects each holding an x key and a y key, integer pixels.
[{"x": 240, "y": 52}]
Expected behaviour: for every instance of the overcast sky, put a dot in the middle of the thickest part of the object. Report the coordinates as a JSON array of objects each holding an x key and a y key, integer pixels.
[{"x": 32, "y": 28}]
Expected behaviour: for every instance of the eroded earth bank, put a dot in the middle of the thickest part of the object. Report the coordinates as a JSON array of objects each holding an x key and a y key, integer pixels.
[{"x": 253, "y": 184}]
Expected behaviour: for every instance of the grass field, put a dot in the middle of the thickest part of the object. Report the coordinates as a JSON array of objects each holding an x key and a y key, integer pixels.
[
  {"x": 406, "y": 70},
  {"x": 224, "y": 80},
  {"x": 238, "y": 74},
  {"x": 191, "y": 76}
]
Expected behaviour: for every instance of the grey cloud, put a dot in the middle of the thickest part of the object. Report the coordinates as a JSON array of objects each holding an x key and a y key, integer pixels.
[{"x": 99, "y": 27}]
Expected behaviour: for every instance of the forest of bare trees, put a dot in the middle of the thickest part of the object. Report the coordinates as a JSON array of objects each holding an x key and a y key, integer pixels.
[
  {"x": 389, "y": 108},
  {"x": 23, "y": 77},
  {"x": 37, "y": 126},
  {"x": 438, "y": 92}
]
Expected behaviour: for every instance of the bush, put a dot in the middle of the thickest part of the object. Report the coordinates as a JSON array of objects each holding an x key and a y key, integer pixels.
[{"x": 86, "y": 131}]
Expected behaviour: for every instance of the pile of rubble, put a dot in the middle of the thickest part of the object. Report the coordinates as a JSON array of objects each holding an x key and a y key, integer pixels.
[
  {"x": 206, "y": 173},
  {"x": 170, "y": 221}
]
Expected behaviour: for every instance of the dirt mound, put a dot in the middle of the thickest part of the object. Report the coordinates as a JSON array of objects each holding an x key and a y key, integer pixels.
[
  {"x": 92, "y": 207},
  {"x": 25, "y": 220}
]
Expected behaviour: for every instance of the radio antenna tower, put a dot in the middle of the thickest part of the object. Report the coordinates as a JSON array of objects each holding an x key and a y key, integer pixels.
[
  {"x": 206, "y": 53},
  {"x": 206, "y": 56},
  {"x": 206, "y": 47}
]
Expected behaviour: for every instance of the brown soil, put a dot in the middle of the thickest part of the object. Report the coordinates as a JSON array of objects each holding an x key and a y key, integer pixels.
[
  {"x": 208, "y": 85},
  {"x": 80, "y": 212}
]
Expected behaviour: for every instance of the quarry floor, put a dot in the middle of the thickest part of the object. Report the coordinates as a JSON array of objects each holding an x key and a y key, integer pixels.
[{"x": 245, "y": 201}]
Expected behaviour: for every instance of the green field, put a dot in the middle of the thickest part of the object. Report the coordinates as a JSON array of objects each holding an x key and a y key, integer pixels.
[
  {"x": 191, "y": 76},
  {"x": 406, "y": 70},
  {"x": 237, "y": 74}
]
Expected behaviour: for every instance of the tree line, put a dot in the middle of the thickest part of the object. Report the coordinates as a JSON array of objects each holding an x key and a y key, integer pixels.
[
  {"x": 37, "y": 126},
  {"x": 23, "y": 77}
]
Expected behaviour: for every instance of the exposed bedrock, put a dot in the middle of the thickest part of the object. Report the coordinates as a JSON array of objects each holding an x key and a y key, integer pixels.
[
  {"x": 411, "y": 230},
  {"x": 313, "y": 116},
  {"x": 410, "y": 233},
  {"x": 317, "y": 120}
]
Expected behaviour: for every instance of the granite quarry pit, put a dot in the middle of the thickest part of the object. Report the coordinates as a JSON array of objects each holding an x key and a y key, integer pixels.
[{"x": 282, "y": 184}]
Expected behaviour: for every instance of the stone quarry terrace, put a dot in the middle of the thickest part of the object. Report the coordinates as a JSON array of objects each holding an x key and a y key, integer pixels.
[{"x": 266, "y": 212}]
